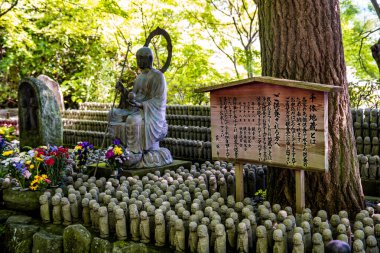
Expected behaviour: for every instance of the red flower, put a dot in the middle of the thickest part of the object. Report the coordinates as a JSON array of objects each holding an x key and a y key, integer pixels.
[
  {"x": 49, "y": 162},
  {"x": 63, "y": 152},
  {"x": 47, "y": 180}
]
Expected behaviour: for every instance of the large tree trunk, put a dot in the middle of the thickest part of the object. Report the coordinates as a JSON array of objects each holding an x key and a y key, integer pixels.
[{"x": 302, "y": 40}]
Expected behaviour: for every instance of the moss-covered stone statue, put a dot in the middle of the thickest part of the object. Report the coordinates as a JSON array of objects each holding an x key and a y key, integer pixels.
[{"x": 39, "y": 115}]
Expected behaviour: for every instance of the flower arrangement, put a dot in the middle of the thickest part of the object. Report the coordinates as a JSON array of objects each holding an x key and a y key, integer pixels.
[
  {"x": 40, "y": 182},
  {"x": 116, "y": 155},
  {"x": 53, "y": 160},
  {"x": 82, "y": 151}
]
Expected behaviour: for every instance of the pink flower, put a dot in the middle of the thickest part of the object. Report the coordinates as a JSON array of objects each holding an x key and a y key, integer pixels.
[
  {"x": 27, "y": 174},
  {"x": 109, "y": 154},
  {"x": 47, "y": 180}
]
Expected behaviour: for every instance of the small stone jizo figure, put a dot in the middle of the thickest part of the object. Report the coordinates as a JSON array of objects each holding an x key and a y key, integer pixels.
[
  {"x": 278, "y": 241},
  {"x": 57, "y": 216},
  {"x": 120, "y": 227},
  {"x": 66, "y": 212},
  {"x": 135, "y": 222},
  {"x": 144, "y": 227},
  {"x": 262, "y": 240},
  {"x": 44, "y": 208},
  {"x": 298, "y": 246},
  {"x": 193, "y": 237},
  {"x": 203, "y": 239},
  {"x": 159, "y": 230},
  {"x": 103, "y": 222},
  {"x": 179, "y": 238},
  {"x": 220, "y": 240}
]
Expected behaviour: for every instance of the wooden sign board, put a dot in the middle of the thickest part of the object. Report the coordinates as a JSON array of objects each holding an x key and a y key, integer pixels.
[{"x": 271, "y": 121}]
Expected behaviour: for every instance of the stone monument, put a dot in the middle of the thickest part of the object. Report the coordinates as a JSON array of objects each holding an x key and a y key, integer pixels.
[{"x": 39, "y": 115}]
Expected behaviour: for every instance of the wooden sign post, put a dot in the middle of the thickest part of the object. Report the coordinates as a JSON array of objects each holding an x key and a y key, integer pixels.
[{"x": 278, "y": 122}]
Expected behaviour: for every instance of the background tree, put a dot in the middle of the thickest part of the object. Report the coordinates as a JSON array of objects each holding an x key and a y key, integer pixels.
[
  {"x": 302, "y": 40},
  {"x": 232, "y": 27}
]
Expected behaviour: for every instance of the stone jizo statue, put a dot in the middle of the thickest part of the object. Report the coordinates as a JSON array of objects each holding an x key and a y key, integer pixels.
[
  {"x": 144, "y": 227},
  {"x": 159, "y": 230},
  {"x": 318, "y": 246},
  {"x": 193, "y": 237},
  {"x": 103, "y": 222},
  {"x": 203, "y": 239},
  {"x": 220, "y": 240},
  {"x": 86, "y": 212},
  {"x": 278, "y": 241},
  {"x": 179, "y": 238},
  {"x": 120, "y": 226},
  {"x": 56, "y": 202},
  {"x": 66, "y": 212},
  {"x": 242, "y": 238},
  {"x": 142, "y": 124},
  {"x": 298, "y": 246},
  {"x": 44, "y": 208},
  {"x": 74, "y": 207},
  {"x": 262, "y": 240}
]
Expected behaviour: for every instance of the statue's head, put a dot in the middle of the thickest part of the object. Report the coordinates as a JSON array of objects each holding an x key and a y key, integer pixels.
[{"x": 145, "y": 58}]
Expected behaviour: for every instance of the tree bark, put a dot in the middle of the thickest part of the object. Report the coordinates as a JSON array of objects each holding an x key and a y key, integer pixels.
[
  {"x": 375, "y": 49},
  {"x": 302, "y": 40}
]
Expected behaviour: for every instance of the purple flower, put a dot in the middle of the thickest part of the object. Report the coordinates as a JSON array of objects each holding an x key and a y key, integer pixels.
[
  {"x": 116, "y": 141},
  {"x": 53, "y": 148}
]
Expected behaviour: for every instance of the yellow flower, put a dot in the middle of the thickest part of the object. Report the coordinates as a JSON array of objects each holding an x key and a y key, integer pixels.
[
  {"x": 27, "y": 162},
  {"x": 39, "y": 159},
  {"x": 78, "y": 148},
  {"x": 33, "y": 188},
  {"x": 7, "y": 153},
  {"x": 117, "y": 151},
  {"x": 2, "y": 132},
  {"x": 31, "y": 166}
]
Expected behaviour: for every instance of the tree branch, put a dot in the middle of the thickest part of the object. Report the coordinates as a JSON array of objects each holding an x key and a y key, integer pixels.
[{"x": 14, "y": 3}]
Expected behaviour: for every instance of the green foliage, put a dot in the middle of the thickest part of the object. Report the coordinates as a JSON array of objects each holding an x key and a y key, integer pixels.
[
  {"x": 262, "y": 194},
  {"x": 360, "y": 31},
  {"x": 82, "y": 45},
  {"x": 364, "y": 94}
]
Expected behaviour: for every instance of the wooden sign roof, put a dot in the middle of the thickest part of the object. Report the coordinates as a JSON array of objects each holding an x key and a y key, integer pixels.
[{"x": 276, "y": 81}]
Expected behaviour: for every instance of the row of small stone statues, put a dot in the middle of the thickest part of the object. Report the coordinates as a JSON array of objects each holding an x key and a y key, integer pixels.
[
  {"x": 85, "y": 114},
  {"x": 178, "y": 210},
  {"x": 369, "y": 167},
  {"x": 188, "y": 149},
  {"x": 170, "y": 109},
  {"x": 72, "y": 137},
  {"x": 367, "y": 146},
  {"x": 85, "y": 125},
  {"x": 366, "y": 122}
]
